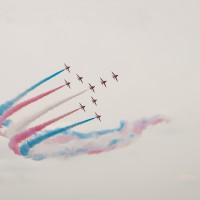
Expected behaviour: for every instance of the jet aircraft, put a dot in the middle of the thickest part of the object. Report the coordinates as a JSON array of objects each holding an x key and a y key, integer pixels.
[
  {"x": 98, "y": 117},
  {"x": 115, "y": 76},
  {"x": 94, "y": 101},
  {"x": 67, "y": 84},
  {"x": 103, "y": 82},
  {"x": 82, "y": 107},
  {"x": 91, "y": 87},
  {"x": 67, "y": 67},
  {"x": 80, "y": 78}
]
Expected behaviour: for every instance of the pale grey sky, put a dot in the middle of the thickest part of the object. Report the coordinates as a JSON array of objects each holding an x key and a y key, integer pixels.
[{"x": 154, "y": 46}]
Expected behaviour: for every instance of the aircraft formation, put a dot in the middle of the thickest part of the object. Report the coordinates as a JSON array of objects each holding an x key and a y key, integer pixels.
[{"x": 91, "y": 87}]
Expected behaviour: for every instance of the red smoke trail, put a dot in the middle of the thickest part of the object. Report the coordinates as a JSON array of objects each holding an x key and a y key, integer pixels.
[
  {"x": 122, "y": 138},
  {"x": 19, "y": 106},
  {"x": 15, "y": 140},
  {"x": 20, "y": 127},
  {"x": 140, "y": 125}
]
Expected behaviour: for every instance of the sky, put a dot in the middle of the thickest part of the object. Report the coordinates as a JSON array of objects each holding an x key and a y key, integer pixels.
[{"x": 153, "y": 46}]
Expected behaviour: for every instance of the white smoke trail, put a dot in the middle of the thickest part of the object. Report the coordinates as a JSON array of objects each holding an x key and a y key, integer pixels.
[{"x": 16, "y": 128}]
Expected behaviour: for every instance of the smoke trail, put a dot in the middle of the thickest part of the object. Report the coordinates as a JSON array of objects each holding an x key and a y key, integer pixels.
[
  {"x": 69, "y": 135},
  {"x": 15, "y": 140},
  {"x": 18, "y": 107},
  {"x": 133, "y": 133},
  {"x": 109, "y": 146},
  {"x": 119, "y": 139},
  {"x": 142, "y": 124},
  {"x": 9, "y": 104},
  {"x": 25, "y": 148},
  {"x": 16, "y": 129}
]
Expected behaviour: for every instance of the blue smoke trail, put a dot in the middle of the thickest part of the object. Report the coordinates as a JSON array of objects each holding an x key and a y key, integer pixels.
[
  {"x": 9, "y": 104},
  {"x": 25, "y": 148},
  {"x": 92, "y": 134},
  {"x": 114, "y": 142},
  {"x": 96, "y": 133},
  {"x": 80, "y": 151},
  {"x": 124, "y": 138},
  {"x": 67, "y": 152},
  {"x": 7, "y": 122}
]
